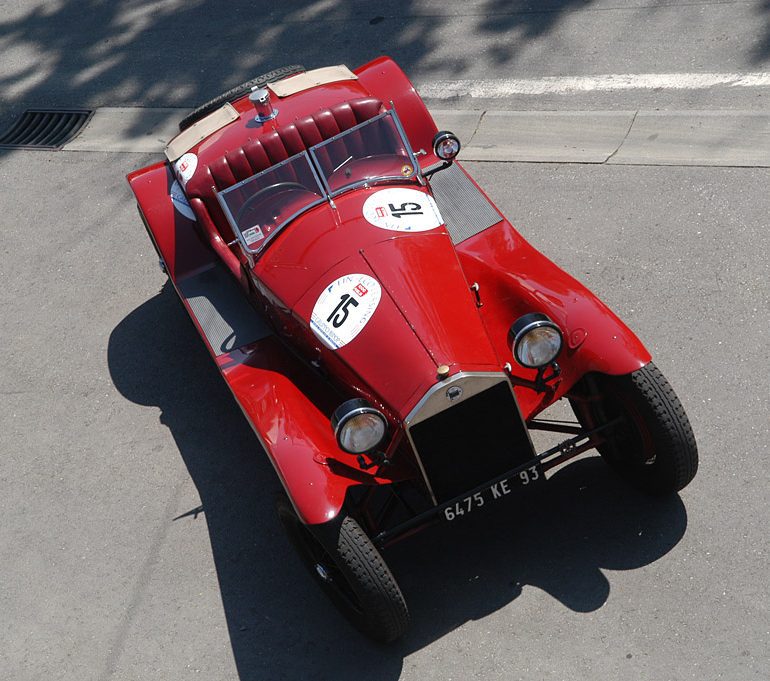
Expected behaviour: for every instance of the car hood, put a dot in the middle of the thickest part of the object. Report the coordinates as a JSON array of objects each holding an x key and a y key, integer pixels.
[{"x": 385, "y": 308}]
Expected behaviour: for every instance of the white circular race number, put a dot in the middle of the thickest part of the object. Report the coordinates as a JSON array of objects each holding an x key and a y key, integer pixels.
[
  {"x": 180, "y": 201},
  {"x": 344, "y": 308},
  {"x": 185, "y": 167},
  {"x": 402, "y": 210}
]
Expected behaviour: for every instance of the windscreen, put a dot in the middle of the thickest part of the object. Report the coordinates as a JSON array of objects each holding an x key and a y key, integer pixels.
[
  {"x": 261, "y": 205},
  {"x": 374, "y": 150}
]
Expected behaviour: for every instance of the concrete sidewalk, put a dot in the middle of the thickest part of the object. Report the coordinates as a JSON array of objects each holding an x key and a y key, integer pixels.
[{"x": 676, "y": 138}]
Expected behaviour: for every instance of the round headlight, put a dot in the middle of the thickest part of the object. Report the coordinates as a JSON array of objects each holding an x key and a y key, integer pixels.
[
  {"x": 446, "y": 145},
  {"x": 536, "y": 340},
  {"x": 358, "y": 427}
]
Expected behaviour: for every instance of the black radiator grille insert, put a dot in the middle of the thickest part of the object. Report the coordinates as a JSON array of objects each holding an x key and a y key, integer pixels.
[
  {"x": 472, "y": 442},
  {"x": 45, "y": 129}
]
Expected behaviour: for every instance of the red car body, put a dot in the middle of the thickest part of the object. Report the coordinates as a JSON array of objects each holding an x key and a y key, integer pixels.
[
  {"x": 394, "y": 362},
  {"x": 442, "y": 303}
]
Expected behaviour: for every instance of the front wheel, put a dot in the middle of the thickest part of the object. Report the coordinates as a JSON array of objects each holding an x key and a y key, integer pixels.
[
  {"x": 351, "y": 571},
  {"x": 652, "y": 445}
]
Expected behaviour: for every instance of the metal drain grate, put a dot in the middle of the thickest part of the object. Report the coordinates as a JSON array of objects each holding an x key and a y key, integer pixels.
[{"x": 45, "y": 129}]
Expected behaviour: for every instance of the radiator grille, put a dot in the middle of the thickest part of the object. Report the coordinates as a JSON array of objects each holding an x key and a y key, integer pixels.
[
  {"x": 472, "y": 442},
  {"x": 45, "y": 129}
]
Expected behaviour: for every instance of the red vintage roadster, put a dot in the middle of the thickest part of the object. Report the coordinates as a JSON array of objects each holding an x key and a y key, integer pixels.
[{"x": 388, "y": 334}]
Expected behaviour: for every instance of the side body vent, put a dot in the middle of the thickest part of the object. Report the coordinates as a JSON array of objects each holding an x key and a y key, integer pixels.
[
  {"x": 45, "y": 129},
  {"x": 466, "y": 211}
]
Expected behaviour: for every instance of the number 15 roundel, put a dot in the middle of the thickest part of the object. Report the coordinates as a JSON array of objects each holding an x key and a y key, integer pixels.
[
  {"x": 402, "y": 210},
  {"x": 344, "y": 308}
]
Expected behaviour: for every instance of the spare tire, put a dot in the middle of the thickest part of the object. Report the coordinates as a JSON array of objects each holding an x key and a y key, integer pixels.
[{"x": 238, "y": 91}]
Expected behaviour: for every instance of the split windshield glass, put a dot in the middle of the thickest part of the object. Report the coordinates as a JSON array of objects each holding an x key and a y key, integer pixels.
[
  {"x": 371, "y": 151},
  {"x": 260, "y": 206}
]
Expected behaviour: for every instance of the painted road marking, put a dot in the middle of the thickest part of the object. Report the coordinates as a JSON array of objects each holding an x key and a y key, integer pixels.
[{"x": 495, "y": 89}]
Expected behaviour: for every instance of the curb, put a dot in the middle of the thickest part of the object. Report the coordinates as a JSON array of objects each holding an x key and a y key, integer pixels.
[{"x": 677, "y": 138}]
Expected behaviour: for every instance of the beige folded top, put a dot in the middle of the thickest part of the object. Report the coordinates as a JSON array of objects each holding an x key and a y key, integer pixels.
[
  {"x": 207, "y": 125},
  {"x": 304, "y": 81},
  {"x": 199, "y": 131}
]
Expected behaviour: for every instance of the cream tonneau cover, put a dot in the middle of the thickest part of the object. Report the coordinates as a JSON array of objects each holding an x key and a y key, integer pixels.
[
  {"x": 208, "y": 125},
  {"x": 304, "y": 81},
  {"x": 199, "y": 131}
]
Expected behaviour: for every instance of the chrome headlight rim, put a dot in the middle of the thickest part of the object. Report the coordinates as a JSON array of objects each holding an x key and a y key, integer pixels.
[
  {"x": 440, "y": 141},
  {"x": 349, "y": 410},
  {"x": 525, "y": 325}
]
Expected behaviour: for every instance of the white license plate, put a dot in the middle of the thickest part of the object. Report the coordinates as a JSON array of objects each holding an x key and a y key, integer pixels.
[{"x": 494, "y": 492}]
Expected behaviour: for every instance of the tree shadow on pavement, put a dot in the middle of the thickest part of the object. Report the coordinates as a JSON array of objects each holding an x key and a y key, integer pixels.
[
  {"x": 761, "y": 51},
  {"x": 522, "y": 21},
  {"x": 557, "y": 538},
  {"x": 146, "y": 53}
]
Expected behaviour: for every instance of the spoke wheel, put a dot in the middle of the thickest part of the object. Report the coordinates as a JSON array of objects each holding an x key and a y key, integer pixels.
[
  {"x": 349, "y": 568},
  {"x": 652, "y": 446}
]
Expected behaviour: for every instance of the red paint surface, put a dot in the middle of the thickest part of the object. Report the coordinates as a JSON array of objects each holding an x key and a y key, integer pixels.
[{"x": 427, "y": 314}]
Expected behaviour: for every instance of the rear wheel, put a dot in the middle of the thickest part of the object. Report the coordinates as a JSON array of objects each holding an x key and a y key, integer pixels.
[
  {"x": 652, "y": 446},
  {"x": 349, "y": 568},
  {"x": 238, "y": 91}
]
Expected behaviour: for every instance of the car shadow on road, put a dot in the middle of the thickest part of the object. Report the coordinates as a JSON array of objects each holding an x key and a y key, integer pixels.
[{"x": 558, "y": 538}]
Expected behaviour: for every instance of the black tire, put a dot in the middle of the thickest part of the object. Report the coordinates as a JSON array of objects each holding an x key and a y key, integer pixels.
[
  {"x": 351, "y": 571},
  {"x": 653, "y": 446},
  {"x": 238, "y": 91}
]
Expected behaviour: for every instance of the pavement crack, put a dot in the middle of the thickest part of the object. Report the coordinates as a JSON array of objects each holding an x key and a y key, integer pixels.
[
  {"x": 476, "y": 129},
  {"x": 625, "y": 137}
]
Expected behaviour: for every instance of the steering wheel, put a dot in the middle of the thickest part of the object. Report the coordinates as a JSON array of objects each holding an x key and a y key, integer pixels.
[{"x": 265, "y": 193}]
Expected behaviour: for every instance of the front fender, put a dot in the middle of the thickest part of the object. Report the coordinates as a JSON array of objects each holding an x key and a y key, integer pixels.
[
  {"x": 289, "y": 409},
  {"x": 515, "y": 279},
  {"x": 286, "y": 404}
]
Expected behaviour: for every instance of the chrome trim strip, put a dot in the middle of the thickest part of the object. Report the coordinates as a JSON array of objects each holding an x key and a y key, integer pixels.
[
  {"x": 407, "y": 145},
  {"x": 421, "y": 467},
  {"x": 491, "y": 378}
]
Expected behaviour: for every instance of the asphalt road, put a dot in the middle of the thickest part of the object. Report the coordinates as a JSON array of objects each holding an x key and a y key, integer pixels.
[
  {"x": 138, "y": 539},
  {"x": 174, "y": 53}
]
